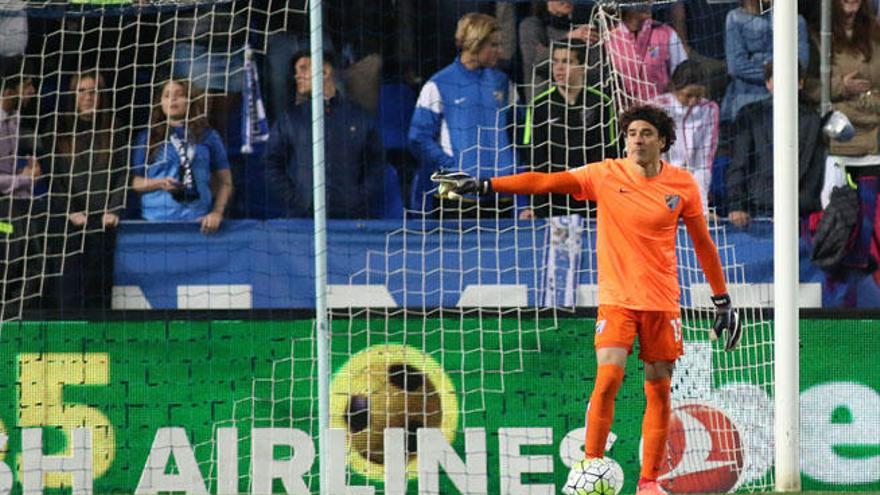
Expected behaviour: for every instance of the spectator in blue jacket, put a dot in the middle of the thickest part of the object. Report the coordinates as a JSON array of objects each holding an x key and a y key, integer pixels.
[
  {"x": 748, "y": 45},
  {"x": 179, "y": 164},
  {"x": 353, "y": 150},
  {"x": 460, "y": 121}
]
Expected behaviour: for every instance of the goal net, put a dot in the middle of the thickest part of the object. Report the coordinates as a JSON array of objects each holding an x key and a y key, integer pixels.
[
  {"x": 81, "y": 90},
  {"x": 82, "y": 87},
  {"x": 486, "y": 292}
]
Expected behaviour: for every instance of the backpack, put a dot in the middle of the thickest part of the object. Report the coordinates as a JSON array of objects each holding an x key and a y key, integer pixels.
[{"x": 837, "y": 229}]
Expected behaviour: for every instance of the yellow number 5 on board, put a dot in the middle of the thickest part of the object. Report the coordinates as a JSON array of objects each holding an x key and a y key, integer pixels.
[{"x": 42, "y": 378}]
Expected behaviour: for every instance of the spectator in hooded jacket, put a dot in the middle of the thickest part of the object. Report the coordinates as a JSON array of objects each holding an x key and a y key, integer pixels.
[
  {"x": 208, "y": 49},
  {"x": 460, "y": 121},
  {"x": 696, "y": 120},
  {"x": 750, "y": 174},
  {"x": 353, "y": 150}
]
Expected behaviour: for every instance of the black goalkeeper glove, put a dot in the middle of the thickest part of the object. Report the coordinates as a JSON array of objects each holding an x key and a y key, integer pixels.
[
  {"x": 727, "y": 323},
  {"x": 454, "y": 185}
]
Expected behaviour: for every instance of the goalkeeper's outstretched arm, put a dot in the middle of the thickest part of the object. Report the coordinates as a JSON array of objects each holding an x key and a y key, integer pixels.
[
  {"x": 536, "y": 183},
  {"x": 456, "y": 184}
]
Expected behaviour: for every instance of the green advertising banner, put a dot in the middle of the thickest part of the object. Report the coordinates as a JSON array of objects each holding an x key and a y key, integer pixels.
[
  {"x": 126, "y": 380},
  {"x": 231, "y": 406},
  {"x": 840, "y": 405}
]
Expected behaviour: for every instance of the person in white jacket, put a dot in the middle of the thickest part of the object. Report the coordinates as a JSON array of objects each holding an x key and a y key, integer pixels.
[{"x": 696, "y": 119}]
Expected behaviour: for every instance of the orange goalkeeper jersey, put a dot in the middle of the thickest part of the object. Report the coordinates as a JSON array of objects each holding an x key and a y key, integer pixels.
[{"x": 637, "y": 224}]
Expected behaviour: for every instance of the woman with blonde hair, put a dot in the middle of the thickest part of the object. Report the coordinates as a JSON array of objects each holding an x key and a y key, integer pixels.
[
  {"x": 461, "y": 117},
  {"x": 179, "y": 164}
]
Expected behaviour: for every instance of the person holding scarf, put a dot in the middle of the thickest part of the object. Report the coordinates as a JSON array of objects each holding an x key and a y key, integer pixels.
[{"x": 179, "y": 163}]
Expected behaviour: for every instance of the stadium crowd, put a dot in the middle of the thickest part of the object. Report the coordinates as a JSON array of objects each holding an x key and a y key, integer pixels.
[{"x": 410, "y": 87}]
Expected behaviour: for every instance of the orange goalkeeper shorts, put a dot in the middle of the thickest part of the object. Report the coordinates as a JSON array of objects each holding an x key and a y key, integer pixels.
[{"x": 659, "y": 332}]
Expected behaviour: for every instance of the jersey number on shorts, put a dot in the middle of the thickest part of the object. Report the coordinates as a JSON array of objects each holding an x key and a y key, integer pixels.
[{"x": 676, "y": 328}]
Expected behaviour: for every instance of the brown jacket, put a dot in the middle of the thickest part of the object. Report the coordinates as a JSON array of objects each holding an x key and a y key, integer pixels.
[{"x": 864, "y": 113}]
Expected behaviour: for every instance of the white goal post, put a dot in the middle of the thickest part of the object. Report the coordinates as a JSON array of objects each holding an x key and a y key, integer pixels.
[{"x": 785, "y": 243}]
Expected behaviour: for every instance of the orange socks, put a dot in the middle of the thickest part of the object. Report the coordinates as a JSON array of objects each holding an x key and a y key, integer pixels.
[
  {"x": 655, "y": 426},
  {"x": 601, "y": 412}
]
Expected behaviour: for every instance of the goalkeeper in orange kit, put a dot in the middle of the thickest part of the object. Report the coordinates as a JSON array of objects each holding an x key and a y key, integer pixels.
[{"x": 639, "y": 199}]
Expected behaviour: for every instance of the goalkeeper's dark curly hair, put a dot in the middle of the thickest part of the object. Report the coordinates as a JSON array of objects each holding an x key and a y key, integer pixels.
[{"x": 655, "y": 116}]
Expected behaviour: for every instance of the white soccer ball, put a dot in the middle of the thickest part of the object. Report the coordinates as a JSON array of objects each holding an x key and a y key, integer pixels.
[{"x": 594, "y": 477}]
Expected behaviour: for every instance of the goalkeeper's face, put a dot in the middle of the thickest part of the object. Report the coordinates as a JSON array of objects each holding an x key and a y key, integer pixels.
[{"x": 643, "y": 142}]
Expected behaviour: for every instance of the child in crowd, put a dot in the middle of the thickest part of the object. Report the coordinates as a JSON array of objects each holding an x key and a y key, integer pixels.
[{"x": 696, "y": 120}]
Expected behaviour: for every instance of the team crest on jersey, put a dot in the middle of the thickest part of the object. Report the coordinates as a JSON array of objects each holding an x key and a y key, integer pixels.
[
  {"x": 600, "y": 325},
  {"x": 672, "y": 201},
  {"x": 499, "y": 96}
]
